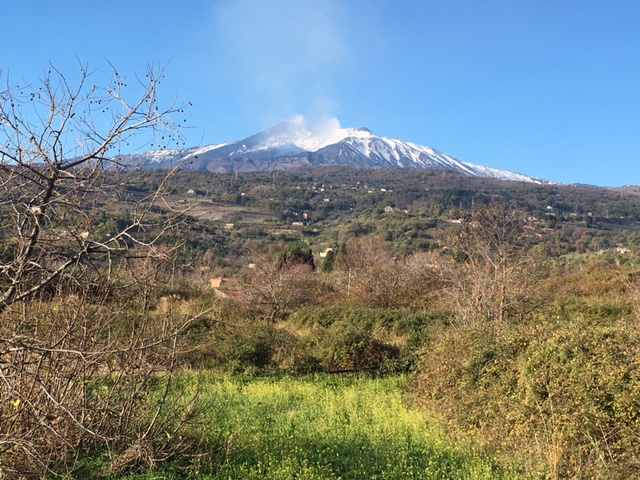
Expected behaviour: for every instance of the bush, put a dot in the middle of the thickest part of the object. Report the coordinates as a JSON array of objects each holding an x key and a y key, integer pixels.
[
  {"x": 560, "y": 392},
  {"x": 348, "y": 338},
  {"x": 234, "y": 338},
  {"x": 76, "y": 376}
]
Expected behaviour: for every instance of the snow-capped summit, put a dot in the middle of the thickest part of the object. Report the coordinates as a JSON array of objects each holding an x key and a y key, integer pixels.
[{"x": 294, "y": 144}]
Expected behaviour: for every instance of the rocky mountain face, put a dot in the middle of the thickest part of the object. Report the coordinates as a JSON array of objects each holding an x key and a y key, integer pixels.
[{"x": 292, "y": 145}]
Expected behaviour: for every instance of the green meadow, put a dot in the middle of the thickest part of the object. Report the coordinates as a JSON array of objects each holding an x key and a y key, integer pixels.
[{"x": 316, "y": 428}]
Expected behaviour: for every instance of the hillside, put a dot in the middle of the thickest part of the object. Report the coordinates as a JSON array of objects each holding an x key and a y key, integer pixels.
[
  {"x": 230, "y": 213},
  {"x": 510, "y": 308}
]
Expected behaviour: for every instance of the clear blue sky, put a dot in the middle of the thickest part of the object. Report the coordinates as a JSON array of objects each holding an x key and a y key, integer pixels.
[{"x": 549, "y": 88}]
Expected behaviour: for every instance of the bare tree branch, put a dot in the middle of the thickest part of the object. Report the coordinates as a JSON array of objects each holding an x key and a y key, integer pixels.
[{"x": 75, "y": 365}]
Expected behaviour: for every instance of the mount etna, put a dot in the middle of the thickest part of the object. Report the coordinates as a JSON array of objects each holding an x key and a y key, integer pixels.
[{"x": 290, "y": 145}]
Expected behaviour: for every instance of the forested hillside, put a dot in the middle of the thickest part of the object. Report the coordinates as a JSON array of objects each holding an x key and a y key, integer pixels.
[
  {"x": 409, "y": 209},
  {"x": 510, "y": 308}
]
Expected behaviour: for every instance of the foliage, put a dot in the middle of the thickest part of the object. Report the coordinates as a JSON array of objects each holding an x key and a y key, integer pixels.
[
  {"x": 339, "y": 338},
  {"x": 349, "y": 338},
  {"x": 321, "y": 428},
  {"x": 296, "y": 253},
  {"x": 234, "y": 339},
  {"x": 514, "y": 305},
  {"x": 559, "y": 390}
]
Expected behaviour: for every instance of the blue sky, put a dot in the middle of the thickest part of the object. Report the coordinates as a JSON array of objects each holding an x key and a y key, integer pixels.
[{"x": 549, "y": 88}]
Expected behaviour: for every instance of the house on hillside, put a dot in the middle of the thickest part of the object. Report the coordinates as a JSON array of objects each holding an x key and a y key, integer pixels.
[{"x": 226, "y": 288}]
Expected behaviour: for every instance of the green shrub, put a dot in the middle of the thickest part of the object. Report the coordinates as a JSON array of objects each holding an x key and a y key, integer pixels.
[
  {"x": 349, "y": 338},
  {"x": 232, "y": 338},
  {"x": 560, "y": 393}
]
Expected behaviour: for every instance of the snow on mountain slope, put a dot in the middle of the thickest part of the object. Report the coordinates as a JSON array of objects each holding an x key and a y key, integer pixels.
[{"x": 293, "y": 144}]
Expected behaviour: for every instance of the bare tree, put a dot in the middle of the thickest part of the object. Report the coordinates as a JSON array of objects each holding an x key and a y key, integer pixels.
[
  {"x": 59, "y": 161},
  {"x": 279, "y": 285},
  {"x": 371, "y": 274},
  {"x": 76, "y": 367},
  {"x": 494, "y": 268}
]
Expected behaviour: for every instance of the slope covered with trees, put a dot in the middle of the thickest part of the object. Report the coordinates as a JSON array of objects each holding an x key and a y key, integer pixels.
[{"x": 512, "y": 306}]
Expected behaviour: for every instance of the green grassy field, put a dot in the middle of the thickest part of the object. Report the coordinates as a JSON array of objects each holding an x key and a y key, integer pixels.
[{"x": 321, "y": 428}]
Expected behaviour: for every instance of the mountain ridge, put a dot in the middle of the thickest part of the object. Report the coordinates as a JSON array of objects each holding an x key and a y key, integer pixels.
[{"x": 292, "y": 144}]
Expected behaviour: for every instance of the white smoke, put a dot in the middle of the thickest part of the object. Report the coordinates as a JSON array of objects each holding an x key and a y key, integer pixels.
[
  {"x": 284, "y": 53},
  {"x": 328, "y": 130},
  {"x": 314, "y": 136}
]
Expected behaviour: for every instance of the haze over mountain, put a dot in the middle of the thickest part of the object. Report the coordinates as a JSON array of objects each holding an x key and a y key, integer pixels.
[{"x": 293, "y": 144}]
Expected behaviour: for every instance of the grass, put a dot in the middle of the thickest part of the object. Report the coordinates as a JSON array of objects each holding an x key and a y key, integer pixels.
[{"x": 321, "y": 428}]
